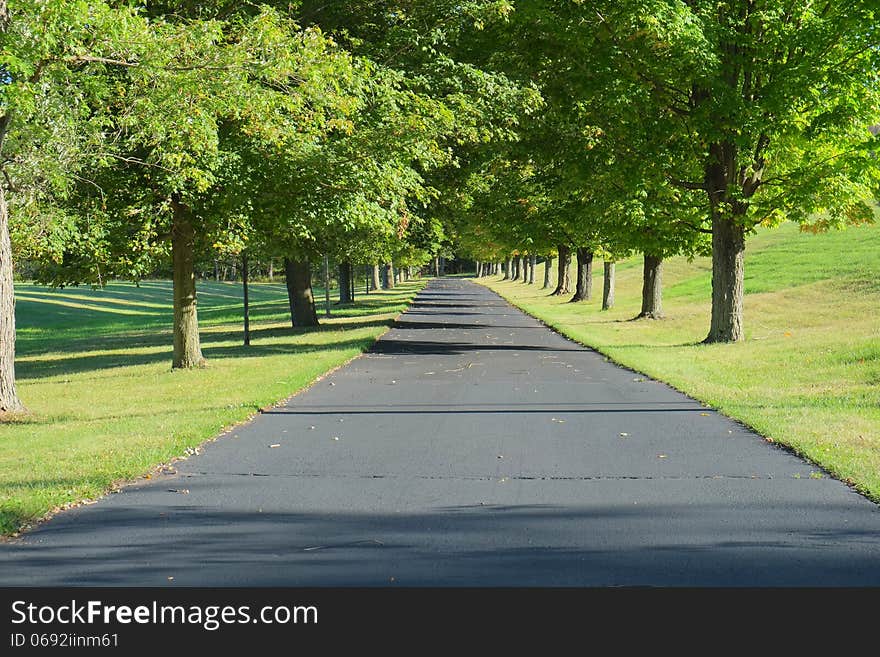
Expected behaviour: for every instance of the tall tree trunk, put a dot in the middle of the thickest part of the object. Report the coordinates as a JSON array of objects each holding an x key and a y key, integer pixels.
[
  {"x": 608, "y": 286},
  {"x": 533, "y": 262},
  {"x": 728, "y": 253},
  {"x": 436, "y": 266},
  {"x": 478, "y": 269},
  {"x": 187, "y": 348},
  {"x": 563, "y": 266},
  {"x": 9, "y": 401},
  {"x": 271, "y": 272},
  {"x": 389, "y": 274},
  {"x": 548, "y": 265},
  {"x": 343, "y": 271},
  {"x": 584, "y": 289},
  {"x": 376, "y": 283},
  {"x": 722, "y": 173},
  {"x": 351, "y": 281},
  {"x": 298, "y": 275},
  {"x": 508, "y": 270},
  {"x": 216, "y": 270},
  {"x": 652, "y": 288}
]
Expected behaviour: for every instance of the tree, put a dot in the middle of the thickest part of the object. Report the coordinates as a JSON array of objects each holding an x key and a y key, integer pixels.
[
  {"x": 766, "y": 105},
  {"x": 57, "y": 65},
  {"x": 198, "y": 124}
]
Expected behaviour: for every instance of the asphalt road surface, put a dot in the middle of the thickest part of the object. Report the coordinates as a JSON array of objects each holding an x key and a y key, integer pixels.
[{"x": 471, "y": 447}]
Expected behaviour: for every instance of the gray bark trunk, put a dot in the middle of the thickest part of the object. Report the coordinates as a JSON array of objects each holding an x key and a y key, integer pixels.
[
  {"x": 187, "y": 347},
  {"x": 533, "y": 262},
  {"x": 563, "y": 279},
  {"x": 652, "y": 288},
  {"x": 9, "y": 401},
  {"x": 344, "y": 273},
  {"x": 299, "y": 293},
  {"x": 389, "y": 275},
  {"x": 376, "y": 281},
  {"x": 728, "y": 253},
  {"x": 548, "y": 266},
  {"x": 508, "y": 272},
  {"x": 608, "y": 286},
  {"x": 584, "y": 289},
  {"x": 728, "y": 234}
]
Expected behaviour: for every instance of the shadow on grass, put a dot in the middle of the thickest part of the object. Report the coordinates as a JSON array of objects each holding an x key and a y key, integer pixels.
[{"x": 87, "y": 363}]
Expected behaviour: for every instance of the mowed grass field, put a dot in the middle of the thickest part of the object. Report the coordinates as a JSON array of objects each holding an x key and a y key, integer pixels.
[
  {"x": 94, "y": 369},
  {"x": 808, "y": 374}
]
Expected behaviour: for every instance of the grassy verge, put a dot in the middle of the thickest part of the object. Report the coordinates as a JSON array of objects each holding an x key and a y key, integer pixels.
[
  {"x": 94, "y": 369},
  {"x": 808, "y": 374}
]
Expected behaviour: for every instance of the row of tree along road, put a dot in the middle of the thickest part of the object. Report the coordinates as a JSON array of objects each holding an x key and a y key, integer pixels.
[{"x": 134, "y": 137}]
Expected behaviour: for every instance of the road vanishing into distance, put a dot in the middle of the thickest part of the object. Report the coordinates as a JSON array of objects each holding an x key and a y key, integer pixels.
[{"x": 471, "y": 447}]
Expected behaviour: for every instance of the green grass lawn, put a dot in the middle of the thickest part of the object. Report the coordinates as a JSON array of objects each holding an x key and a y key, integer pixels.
[
  {"x": 807, "y": 375},
  {"x": 94, "y": 369}
]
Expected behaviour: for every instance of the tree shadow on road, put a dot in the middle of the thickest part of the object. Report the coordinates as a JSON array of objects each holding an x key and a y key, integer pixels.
[{"x": 603, "y": 544}]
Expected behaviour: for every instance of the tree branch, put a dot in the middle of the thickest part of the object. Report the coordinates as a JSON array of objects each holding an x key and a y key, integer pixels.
[{"x": 687, "y": 184}]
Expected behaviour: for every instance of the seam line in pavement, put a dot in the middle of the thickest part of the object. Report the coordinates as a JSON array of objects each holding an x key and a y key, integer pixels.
[{"x": 295, "y": 475}]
